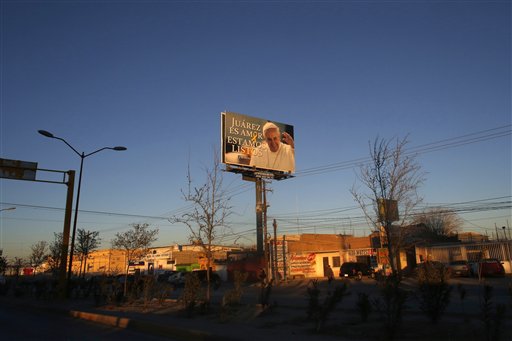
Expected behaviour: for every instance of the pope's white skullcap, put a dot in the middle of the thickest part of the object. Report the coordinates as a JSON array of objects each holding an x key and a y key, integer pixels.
[{"x": 269, "y": 125}]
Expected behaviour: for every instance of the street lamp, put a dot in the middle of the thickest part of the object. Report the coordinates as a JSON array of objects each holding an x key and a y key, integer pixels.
[
  {"x": 82, "y": 157},
  {"x": 1, "y": 229}
]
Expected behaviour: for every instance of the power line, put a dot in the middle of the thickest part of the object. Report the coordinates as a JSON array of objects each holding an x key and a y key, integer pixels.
[
  {"x": 318, "y": 216},
  {"x": 458, "y": 141}
]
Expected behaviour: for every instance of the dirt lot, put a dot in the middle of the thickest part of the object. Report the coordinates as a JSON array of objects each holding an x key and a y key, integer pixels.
[{"x": 468, "y": 315}]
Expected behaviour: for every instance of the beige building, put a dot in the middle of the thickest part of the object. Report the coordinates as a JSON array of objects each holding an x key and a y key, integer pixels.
[
  {"x": 174, "y": 257},
  {"x": 307, "y": 255},
  {"x": 108, "y": 262}
]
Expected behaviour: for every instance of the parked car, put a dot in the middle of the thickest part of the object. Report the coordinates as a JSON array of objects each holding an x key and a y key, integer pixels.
[
  {"x": 459, "y": 268},
  {"x": 121, "y": 278},
  {"x": 356, "y": 270},
  {"x": 3, "y": 285},
  {"x": 164, "y": 276},
  {"x": 177, "y": 279},
  {"x": 488, "y": 267},
  {"x": 214, "y": 278}
]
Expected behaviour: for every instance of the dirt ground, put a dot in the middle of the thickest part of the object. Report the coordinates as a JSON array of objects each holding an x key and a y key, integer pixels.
[{"x": 287, "y": 315}]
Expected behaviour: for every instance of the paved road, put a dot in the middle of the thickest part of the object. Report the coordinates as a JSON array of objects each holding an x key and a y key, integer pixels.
[{"x": 20, "y": 323}]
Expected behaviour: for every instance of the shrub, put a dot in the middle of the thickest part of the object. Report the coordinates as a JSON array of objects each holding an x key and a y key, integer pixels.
[
  {"x": 434, "y": 298},
  {"x": 432, "y": 272},
  {"x": 191, "y": 294},
  {"x": 364, "y": 306},
  {"x": 433, "y": 291},
  {"x": 492, "y": 321},
  {"x": 314, "y": 296},
  {"x": 148, "y": 288},
  {"x": 162, "y": 291},
  {"x": 392, "y": 305},
  {"x": 233, "y": 297},
  {"x": 319, "y": 313}
]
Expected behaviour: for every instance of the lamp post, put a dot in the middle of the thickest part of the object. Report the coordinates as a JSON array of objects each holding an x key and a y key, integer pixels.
[
  {"x": 1, "y": 230},
  {"x": 82, "y": 157}
]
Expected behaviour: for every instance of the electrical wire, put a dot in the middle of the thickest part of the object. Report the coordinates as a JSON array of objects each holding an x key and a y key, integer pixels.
[
  {"x": 458, "y": 141},
  {"x": 317, "y": 218}
]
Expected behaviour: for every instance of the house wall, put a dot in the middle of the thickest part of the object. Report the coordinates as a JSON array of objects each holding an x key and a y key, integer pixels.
[
  {"x": 306, "y": 253},
  {"x": 311, "y": 264},
  {"x": 108, "y": 262}
]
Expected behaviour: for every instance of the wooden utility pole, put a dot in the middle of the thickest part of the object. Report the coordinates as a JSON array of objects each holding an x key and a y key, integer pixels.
[
  {"x": 274, "y": 274},
  {"x": 265, "y": 230},
  {"x": 284, "y": 258},
  {"x": 259, "y": 216}
]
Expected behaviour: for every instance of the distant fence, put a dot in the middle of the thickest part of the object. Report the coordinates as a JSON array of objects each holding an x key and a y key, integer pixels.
[{"x": 470, "y": 252}]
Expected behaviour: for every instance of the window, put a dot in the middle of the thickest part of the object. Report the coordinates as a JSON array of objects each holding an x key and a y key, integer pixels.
[{"x": 336, "y": 262}]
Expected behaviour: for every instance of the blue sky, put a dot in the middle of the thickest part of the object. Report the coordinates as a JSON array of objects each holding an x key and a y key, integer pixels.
[{"x": 154, "y": 76}]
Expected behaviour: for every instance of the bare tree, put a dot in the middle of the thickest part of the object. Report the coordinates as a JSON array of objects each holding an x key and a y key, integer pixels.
[
  {"x": 86, "y": 242},
  {"x": 55, "y": 249},
  {"x": 207, "y": 218},
  {"x": 17, "y": 264},
  {"x": 3, "y": 264},
  {"x": 392, "y": 175},
  {"x": 38, "y": 254},
  {"x": 437, "y": 223},
  {"x": 135, "y": 243}
]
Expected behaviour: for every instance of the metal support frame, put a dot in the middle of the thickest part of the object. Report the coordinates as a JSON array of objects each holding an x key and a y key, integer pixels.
[
  {"x": 70, "y": 183},
  {"x": 259, "y": 177}
]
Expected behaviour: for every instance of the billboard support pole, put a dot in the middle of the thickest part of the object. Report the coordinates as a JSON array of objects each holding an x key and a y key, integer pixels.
[{"x": 259, "y": 216}]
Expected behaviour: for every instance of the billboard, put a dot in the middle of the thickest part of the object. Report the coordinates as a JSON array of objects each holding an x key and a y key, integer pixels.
[{"x": 257, "y": 143}]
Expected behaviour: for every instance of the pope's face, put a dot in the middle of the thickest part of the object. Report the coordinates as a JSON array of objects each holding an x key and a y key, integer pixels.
[{"x": 273, "y": 139}]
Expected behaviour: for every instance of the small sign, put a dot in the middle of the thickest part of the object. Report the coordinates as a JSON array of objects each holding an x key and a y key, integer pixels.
[
  {"x": 388, "y": 210},
  {"x": 17, "y": 170}
]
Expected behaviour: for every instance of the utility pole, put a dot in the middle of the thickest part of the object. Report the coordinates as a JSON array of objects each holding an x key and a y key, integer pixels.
[
  {"x": 265, "y": 233},
  {"x": 259, "y": 216},
  {"x": 275, "y": 250},
  {"x": 284, "y": 258}
]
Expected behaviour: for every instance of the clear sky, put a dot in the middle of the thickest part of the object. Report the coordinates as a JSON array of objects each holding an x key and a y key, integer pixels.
[{"x": 154, "y": 76}]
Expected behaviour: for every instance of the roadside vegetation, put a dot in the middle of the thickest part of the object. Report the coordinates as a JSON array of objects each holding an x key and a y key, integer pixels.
[{"x": 387, "y": 309}]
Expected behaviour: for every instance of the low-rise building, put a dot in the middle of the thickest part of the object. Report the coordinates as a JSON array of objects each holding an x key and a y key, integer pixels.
[{"x": 174, "y": 257}]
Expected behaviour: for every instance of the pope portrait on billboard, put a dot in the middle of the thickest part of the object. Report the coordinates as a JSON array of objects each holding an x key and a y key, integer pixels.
[
  {"x": 276, "y": 152},
  {"x": 257, "y": 143}
]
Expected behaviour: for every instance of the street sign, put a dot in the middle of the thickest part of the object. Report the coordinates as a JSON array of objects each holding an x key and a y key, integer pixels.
[
  {"x": 388, "y": 210},
  {"x": 17, "y": 170}
]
